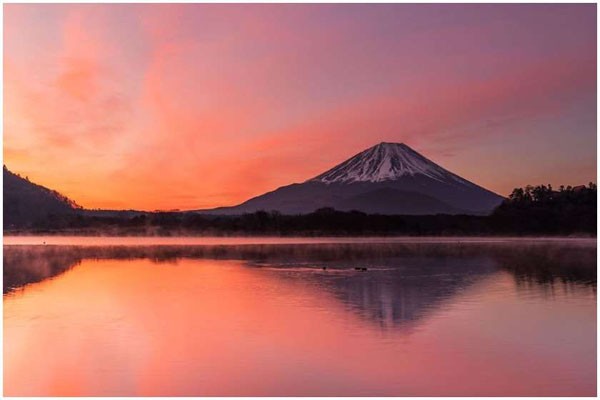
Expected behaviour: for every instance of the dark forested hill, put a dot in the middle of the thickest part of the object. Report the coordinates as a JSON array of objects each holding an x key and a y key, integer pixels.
[
  {"x": 27, "y": 204},
  {"x": 539, "y": 210},
  {"x": 543, "y": 210}
]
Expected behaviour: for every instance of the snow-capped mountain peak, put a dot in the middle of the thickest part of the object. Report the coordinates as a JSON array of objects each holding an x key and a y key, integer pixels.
[
  {"x": 385, "y": 162},
  {"x": 388, "y": 178}
]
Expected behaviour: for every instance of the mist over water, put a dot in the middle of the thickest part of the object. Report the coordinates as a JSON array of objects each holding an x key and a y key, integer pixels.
[{"x": 354, "y": 317}]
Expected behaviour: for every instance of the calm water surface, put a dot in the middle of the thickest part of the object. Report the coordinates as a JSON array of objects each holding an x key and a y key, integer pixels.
[{"x": 263, "y": 317}]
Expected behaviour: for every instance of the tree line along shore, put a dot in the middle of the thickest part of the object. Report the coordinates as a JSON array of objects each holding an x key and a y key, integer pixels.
[{"x": 532, "y": 211}]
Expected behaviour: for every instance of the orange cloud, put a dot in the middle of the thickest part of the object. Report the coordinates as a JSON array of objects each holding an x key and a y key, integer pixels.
[{"x": 194, "y": 106}]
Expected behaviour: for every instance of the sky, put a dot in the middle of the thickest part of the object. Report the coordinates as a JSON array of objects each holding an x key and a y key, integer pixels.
[{"x": 190, "y": 106}]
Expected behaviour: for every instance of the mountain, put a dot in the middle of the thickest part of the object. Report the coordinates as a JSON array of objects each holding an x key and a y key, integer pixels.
[
  {"x": 26, "y": 203},
  {"x": 388, "y": 178}
]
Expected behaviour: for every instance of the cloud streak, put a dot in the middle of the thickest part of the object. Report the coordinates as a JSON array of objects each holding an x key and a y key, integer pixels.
[{"x": 194, "y": 106}]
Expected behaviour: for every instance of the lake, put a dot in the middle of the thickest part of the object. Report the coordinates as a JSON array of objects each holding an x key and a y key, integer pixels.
[{"x": 299, "y": 317}]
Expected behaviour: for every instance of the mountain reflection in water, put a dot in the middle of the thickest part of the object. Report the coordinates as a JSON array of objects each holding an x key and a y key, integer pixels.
[
  {"x": 311, "y": 319},
  {"x": 401, "y": 284}
]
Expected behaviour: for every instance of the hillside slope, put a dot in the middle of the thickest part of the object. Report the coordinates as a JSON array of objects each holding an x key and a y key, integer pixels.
[
  {"x": 26, "y": 203},
  {"x": 388, "y": 178}
]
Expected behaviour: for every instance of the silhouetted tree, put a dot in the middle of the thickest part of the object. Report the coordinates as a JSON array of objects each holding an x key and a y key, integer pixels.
[{"x": 538, "y": 210}]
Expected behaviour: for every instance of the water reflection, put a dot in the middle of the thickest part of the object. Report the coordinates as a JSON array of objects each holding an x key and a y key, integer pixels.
[
  {"x": 402, "y": 282},
  {"x": 30, "y": 264},
  {"x": 392, "y": 291},
  {"x": 267, "y": 320}
]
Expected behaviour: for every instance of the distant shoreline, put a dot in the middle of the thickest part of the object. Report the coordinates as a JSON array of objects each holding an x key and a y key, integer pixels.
[
  {"x": 192, "y": 234},
  {"x": 530, "y": 212},
  {"x": 10, "y": 240}
]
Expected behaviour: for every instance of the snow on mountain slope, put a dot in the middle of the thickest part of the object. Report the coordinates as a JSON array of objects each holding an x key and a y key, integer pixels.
[
  {"x": 388, "y": 178},
  {"x": 386, "y": 162}
]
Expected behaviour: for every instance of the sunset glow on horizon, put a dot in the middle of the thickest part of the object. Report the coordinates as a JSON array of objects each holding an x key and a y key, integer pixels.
[{"x": 189, "y": 106}]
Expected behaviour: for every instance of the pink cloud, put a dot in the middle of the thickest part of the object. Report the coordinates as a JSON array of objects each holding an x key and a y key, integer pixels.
[{"x": 214, "y": 104}]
